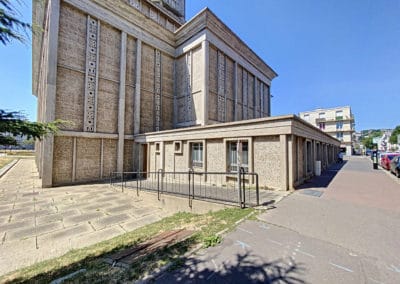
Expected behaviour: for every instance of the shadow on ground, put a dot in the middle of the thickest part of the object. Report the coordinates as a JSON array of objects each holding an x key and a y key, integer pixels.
[
  {"x": 324, "y": 179},
  {"x": 246, "y": 268}
]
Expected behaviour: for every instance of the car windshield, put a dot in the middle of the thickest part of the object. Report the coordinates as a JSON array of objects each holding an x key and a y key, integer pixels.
[{"x": 390, "y": 157}]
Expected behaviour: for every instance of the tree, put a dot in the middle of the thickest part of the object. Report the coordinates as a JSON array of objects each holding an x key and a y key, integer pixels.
[
  {"x": 13, "y": 124},
  {"x": 393, "y": 137},
  {"x": 10, "y": 26},
  {"x": 367, "y": 141}
]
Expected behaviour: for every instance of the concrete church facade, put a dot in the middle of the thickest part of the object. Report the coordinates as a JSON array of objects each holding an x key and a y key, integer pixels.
[{"x": 144, "y": 90}]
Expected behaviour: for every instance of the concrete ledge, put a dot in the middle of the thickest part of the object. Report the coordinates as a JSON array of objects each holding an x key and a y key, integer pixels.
[{"x": 7, "y": 167}]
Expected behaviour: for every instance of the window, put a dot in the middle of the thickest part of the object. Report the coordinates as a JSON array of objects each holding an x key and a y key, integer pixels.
[
  {"x": 307, "y": 117},
  {"x": 178, "y": 147},
  {"x": 233, "y": 156},
  {"x": 339, "y": 115},
  {"x": 322, "y": 125},
  {"x": 157, "y": 147},
  {"x": 322, "y": 115},
  {"x": 339, "y": 135},
  {"x": 339, "y": 125},
  {"x": 197, "y": 154}
]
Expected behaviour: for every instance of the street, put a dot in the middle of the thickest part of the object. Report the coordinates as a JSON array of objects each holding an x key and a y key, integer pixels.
[{"x": 341, "y": 227}]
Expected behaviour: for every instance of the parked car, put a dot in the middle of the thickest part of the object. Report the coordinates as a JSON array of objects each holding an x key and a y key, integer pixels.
[
  {"x": 387, "y": 158},
  {"x": 395, "y": 166}
]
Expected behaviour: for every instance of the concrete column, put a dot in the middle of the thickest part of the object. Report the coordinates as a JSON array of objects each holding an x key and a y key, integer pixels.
[
  {"x": 284, "y": 161},
  {"x": 205, "y": 47},
  {"x": 235, "y": 84},
  {"x": 291, "y": 161},
  {"x": 121, "y": 105},
  {"x": 102, "y": 158},
  {"x": 74, "y": 160},
  {"x": 50, "y": 96},
  {"x": 136, "y": 113}
]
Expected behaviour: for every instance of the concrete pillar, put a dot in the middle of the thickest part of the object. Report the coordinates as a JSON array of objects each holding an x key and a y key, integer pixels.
[
  {"x": 235, "y": 82},
  {"x": 121, "y": 105},
  {"x": 284, "y": 161},
  {"x": 50, "y": 89},
  {"x": 74, "y": 160},
  {"x": 205, "y": 48},
  {"x": 138, "y": 68},
  {"x": 291, "y": 162}
]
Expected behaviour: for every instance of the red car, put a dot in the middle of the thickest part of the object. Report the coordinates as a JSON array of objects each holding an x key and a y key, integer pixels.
[{"x": 387, "y": 158}]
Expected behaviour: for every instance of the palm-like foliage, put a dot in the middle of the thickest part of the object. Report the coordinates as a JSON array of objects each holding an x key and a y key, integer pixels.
[{"x": 10, "y": 26}]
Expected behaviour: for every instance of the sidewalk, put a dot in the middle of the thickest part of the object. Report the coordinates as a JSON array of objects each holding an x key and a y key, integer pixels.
[{"x": 38, "y": 224}]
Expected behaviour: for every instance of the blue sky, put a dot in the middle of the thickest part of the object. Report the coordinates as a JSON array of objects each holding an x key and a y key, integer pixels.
[{"x": 327, "y": 53}]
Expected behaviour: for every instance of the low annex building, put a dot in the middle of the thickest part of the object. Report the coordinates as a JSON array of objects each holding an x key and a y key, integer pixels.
[{"x": 144, "y": 90}]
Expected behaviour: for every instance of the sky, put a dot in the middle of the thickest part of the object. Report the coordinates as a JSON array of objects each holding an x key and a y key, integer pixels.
[{"x": 327, "y": 53}]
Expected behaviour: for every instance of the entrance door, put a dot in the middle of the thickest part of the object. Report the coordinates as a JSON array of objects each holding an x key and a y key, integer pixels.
[{"x": 144, "y": 160}]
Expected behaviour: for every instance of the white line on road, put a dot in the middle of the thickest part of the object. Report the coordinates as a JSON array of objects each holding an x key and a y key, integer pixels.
[
  {"x": 305, "y": 253},
  {"x": 243, "y": 230},
  {"x": 275, "y": 242},
  {"x": 242, "y": 244},
  {"x": 394, "y": 268},
  {"x": 341, "y": 267},
  {"x": 215, "y": 265}
]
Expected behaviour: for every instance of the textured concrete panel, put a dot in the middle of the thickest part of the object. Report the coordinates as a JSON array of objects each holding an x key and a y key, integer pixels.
[
  {"x": 267, "y": 161},
  {"x": 107, "y": 106},
  {"x": 62, "y": 159},
  {"x": 87, "y": 159}
]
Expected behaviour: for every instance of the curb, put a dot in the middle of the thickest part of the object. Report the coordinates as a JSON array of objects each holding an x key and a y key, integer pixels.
[{"x": 7, "y": 167}]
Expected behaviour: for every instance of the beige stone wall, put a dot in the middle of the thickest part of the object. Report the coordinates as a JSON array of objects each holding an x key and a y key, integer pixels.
[
  {"x": 130, "y": 84},
  {"x": 147, "y": 90},
  {"x": 128, "y": 155},
  {"x": 71, "y": 67},
  {"x": 88, "y": 155},
  {"x": 267, "y": 160},
  {"x": 62, "y": 160},
  {"x": 110, "y": 156},
  {"x": 167, "y": 88},
  {"x": 108, "y": 89}
]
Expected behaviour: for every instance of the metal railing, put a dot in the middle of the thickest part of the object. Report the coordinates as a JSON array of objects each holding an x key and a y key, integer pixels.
[{"x": 240, "y": 189}]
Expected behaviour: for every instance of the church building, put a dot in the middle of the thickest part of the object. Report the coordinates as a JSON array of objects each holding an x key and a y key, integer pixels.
[{"x": 145, "y": 90}]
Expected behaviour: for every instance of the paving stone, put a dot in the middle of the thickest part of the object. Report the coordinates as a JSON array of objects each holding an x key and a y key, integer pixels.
[
  {"x": 34, "y": 231},
  {"x": 16, "y": 225},
  {"x": 92, "y": 207},
  {"x": 145, "y": 211},
  {"x": 63, "y": 234},
  {"x": 82, "y": 218},
  {"x": 110, "y": 220},
  {"x": 107, "y": 199},
  {"x": 56, "y": 217},
  {"x": 95, "y": 237},
  {"x": 6, "y": 213},
  {"x": 118, "y": 209},
  {"x": 6, "y": 207}
]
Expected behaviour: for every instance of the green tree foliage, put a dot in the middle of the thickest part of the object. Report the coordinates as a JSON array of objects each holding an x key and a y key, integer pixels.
[
  {"x": 367, "y": 141},
  {"x": 393, "y": 137},
  {"x": 13, "y": 124},
  {"x": 10, "y": 26}
]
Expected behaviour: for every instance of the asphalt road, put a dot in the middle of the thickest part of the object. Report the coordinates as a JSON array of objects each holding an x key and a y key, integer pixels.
[{"x": 342, "y": 227}]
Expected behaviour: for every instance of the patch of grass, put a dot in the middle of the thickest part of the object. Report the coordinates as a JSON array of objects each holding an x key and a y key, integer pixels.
[
  {"x": 91, "y": 258},
  {"x": 27, "y": 153},
  {"x": 211, "y": 241},
  {"x": 5, "y": 161}
]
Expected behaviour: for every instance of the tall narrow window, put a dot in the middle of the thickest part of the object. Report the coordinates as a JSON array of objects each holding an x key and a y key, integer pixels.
[
  {"x": 197, "y": 154},
  {"x": 233, "y": 156}
]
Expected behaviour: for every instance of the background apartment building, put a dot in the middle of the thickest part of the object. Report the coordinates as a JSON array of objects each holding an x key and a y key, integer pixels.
[{"x": 338, "y": 122}]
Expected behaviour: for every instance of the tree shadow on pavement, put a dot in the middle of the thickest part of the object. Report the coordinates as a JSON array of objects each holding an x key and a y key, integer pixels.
[
  {"x": 246, "y": 268},
  {"x": 324, "y": 179}
]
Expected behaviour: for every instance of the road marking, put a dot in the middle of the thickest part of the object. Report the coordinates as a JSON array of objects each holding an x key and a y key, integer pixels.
[
  {"x": 341, "y": 267},
  {"x": 243, "y": 230},
  {"x": 242, "y": 244},
  {"x": 305, "y": 253},
  {"x": 394, "y": 268},
  {"x": 275, "y": 242},
  {"x": 263, "y": 226},
  {"x": 213, "y": 261}
]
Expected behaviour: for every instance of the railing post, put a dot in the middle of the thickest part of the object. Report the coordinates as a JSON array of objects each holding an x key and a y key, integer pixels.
[
  {"x": 122, "y": 181},
  {"x": 240, "y": 187},
  {"x": 158, "y": 184},
  {"x": 257, "y": 191},
  {"x": 243, "y": 205},
  {"x": 189, "y": 186}
]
